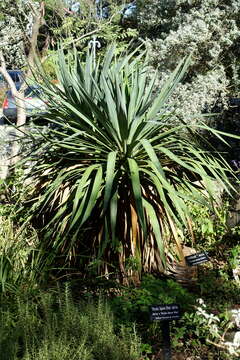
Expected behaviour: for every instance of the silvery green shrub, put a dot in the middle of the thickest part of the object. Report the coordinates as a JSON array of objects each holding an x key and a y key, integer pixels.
[{"x": 210, "y": 30}]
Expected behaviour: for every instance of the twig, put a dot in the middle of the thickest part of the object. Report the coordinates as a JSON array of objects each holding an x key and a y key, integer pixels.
[{"x": 83, "y": 36}]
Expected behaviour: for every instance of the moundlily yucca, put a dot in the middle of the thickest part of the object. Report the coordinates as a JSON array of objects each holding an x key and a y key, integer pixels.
[{"x": 116, "y": 173}]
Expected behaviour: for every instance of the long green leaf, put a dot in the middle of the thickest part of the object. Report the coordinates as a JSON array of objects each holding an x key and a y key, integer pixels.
[
  {"x": 136, "y": 187},
  {"x": 111, "y": 161}
]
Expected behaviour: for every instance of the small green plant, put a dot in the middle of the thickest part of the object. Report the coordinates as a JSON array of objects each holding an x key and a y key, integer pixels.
[
  {"x": 216, "y": 284},
  {"x": 234, "y": 259},
  {"x": 209, "y": 228},
  {"x": 234, "y": 262}
]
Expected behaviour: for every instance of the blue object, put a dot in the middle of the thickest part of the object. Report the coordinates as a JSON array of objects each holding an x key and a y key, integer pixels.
[
  {"x": 17, "y": 77},
  {"x": 129, "y": 13}
]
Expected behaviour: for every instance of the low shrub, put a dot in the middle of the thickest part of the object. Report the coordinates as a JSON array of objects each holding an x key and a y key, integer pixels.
[{"x": 53, "y": 326}]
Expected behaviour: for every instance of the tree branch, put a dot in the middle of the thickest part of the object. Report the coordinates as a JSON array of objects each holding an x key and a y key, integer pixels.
[
  {"x": 19, "y": 98},
  {"x": 37, "y": 22}
]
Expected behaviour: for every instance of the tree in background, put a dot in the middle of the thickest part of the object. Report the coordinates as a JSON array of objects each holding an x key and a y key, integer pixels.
[
  {"x": 71, "y": 22},
  {"x": 210, "y": 30},
  {"x": 18, "y": 32}
]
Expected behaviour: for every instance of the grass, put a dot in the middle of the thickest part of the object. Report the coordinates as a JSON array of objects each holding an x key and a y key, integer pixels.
[{"x": 17, "y": 248}]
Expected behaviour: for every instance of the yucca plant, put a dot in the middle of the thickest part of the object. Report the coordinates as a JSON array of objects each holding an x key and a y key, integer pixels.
[{"x": 113, "y": 171}]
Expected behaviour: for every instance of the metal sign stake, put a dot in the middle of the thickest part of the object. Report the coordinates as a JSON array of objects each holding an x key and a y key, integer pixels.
[
  {"x": 165, "y": 313},
  {"x": 167, "y": 353}
]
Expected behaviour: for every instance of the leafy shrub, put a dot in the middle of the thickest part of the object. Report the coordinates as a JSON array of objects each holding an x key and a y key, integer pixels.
[
  {"x": 234, "y": 259},
  {"x": 218, "y": 288},
  {"x": 133, "y": 304},
  {"x": 209, "y": 228}
]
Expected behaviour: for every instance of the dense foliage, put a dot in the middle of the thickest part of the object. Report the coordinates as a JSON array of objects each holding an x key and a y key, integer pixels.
[
  {"x": 14, "y": 19},
  {"x": 208, "y": 29}
]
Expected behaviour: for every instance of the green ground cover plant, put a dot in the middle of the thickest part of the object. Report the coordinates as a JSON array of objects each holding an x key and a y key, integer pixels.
[{"x": 134, "y": 302}]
